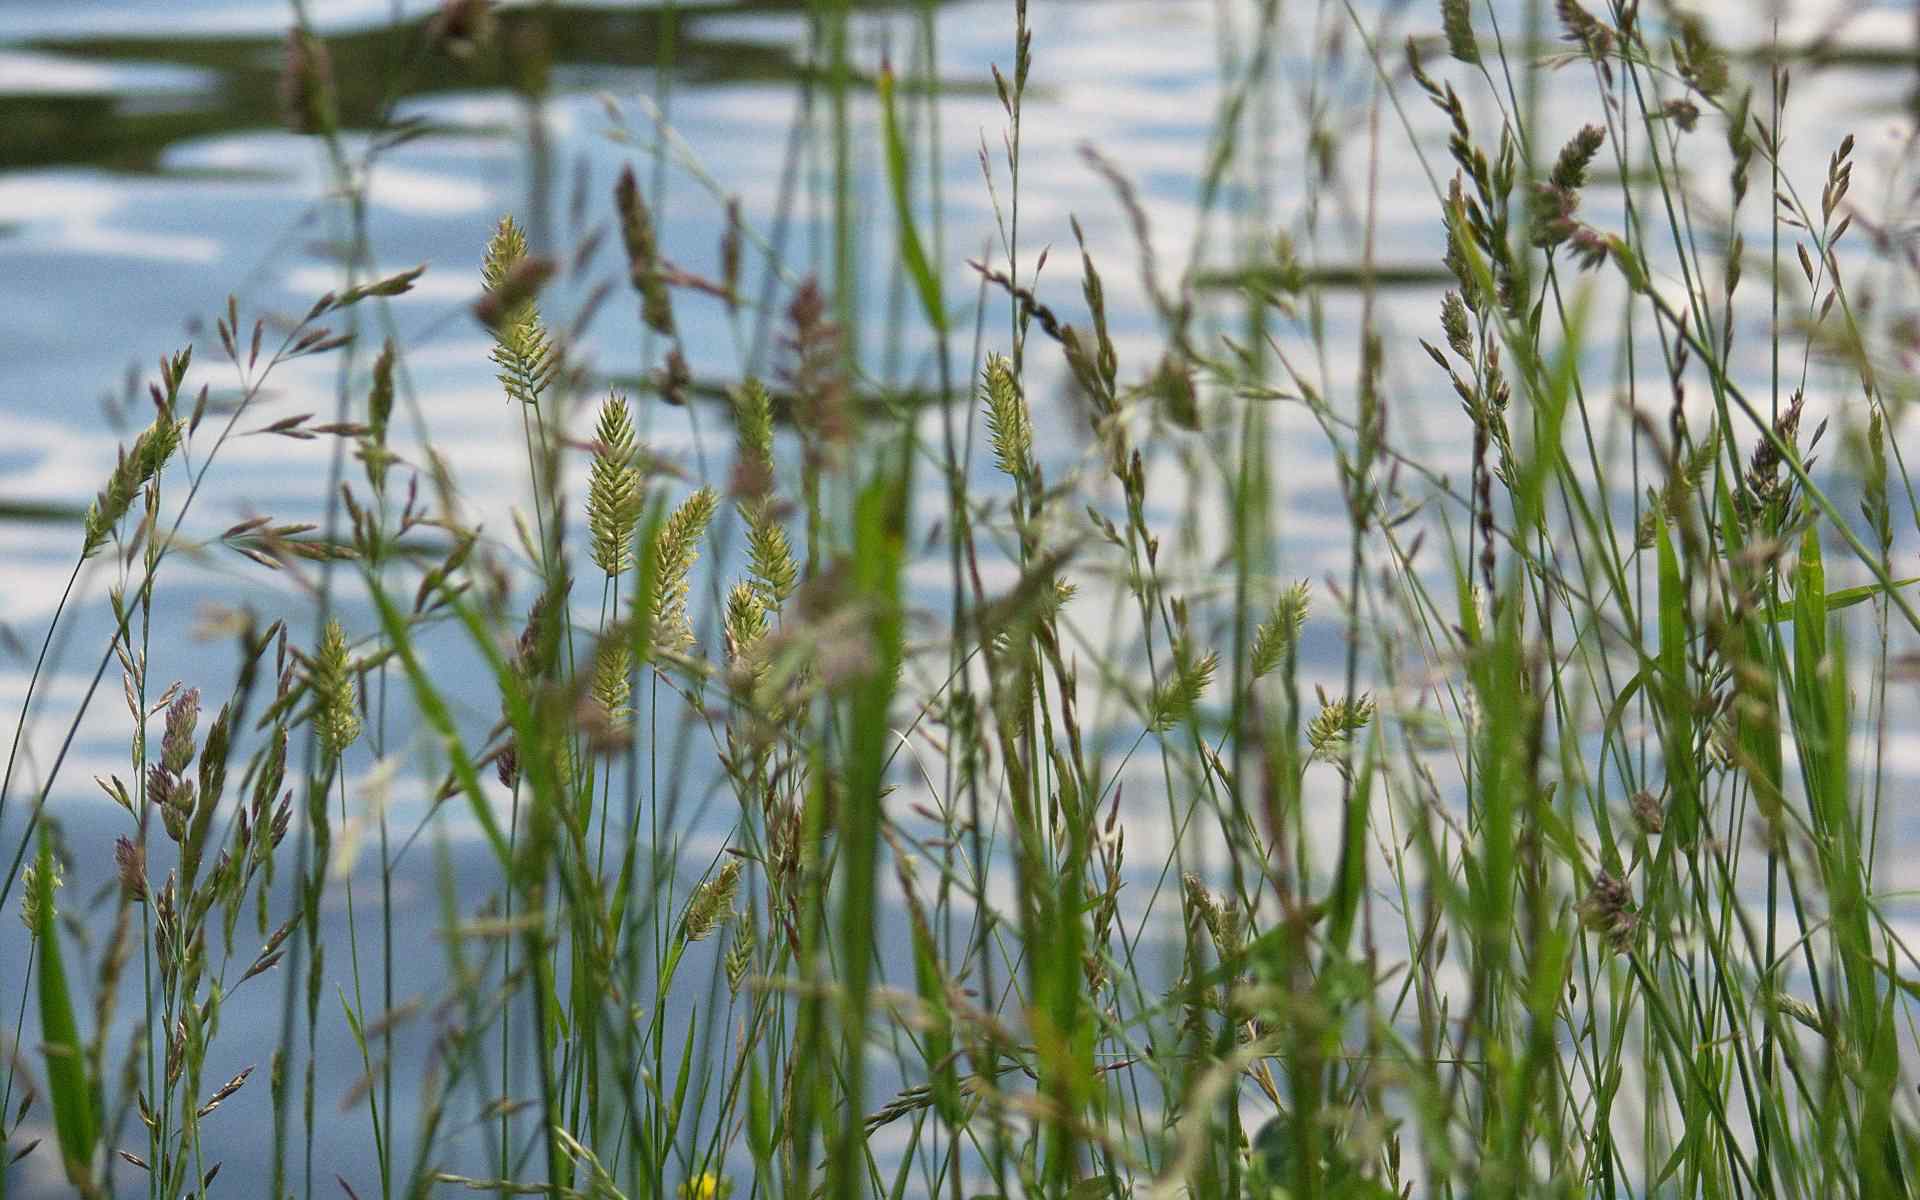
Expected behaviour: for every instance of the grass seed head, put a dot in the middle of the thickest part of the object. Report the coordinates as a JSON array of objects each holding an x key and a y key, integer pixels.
[
  {"x": 613, "y": 489},
  {"x": 612, "y": 690},
  {"x": 712, "y": 902},
  {"x": 643, "y": 254},
  {"x": 676, "y": 549},
  {"x": 336, "y": 718},
  {"x": 149, "y": 454},
  {"x": 1607, "y": 910},
  {"x": 36, "y": 890},
  {"x": 1008, "y": 422},
  {"x": 130, "y": 866},
  {"x": 1456, "y": 20},
  {"x": 1280, "y": 632}
]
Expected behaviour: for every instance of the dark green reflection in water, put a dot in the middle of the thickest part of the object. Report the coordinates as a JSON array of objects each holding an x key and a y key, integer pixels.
[{"x": 128, "y": 130}]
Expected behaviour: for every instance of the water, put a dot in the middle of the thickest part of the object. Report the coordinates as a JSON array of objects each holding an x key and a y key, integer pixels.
[{"x": 144, "y": 177}]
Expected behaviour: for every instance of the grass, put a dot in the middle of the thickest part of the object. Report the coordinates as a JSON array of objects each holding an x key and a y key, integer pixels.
[{"x": 1544, "y": 845}]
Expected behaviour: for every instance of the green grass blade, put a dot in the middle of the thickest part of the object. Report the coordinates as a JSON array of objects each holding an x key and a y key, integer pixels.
[
  {"x": 75, "y": 1113},
  {"x": 879, "y": 561},
  {"x": 912, "y": 252},
  {"x": 1843, "y": 598}
]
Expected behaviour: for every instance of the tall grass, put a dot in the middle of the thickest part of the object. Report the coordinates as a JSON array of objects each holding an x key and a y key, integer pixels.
[{"x": 1089, "y": 870}]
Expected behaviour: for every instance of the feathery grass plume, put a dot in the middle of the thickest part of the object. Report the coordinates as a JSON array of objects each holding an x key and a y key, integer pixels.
[
  {"x": 373, "y": 445},
  {"x": 1199, "y": 900},
  {"x": 213, "y": 782},
  {"x": 1764, "y": 490},
  {"x": 1682, "y": 112},
  {"x": 151, "y": 450},
  {"x": 397, "y": 284},
  {"x": 130, "y": 868},
  {"x": 676, "y": 548},
  {"x": 1873, "y": 491},
  {"x": 34, "y": 890},
  {"x": 712, "y": 901},
  {"x": 612, "y": 690},
  {"x": 746, "y": 622},
  {"x": 1607, "y": 909},
  {"x": 1554, "y": 202},
  {"x": 1098, "y": 367},
  {"x": 596, "y": 1178},
  {"x": 522, "y": 349},
  {"x": 1570, "y": 168},
  {"x": 643, "y": 254},
  {"x": 1648, "y": 814},
  {"x": 753, "y": 422},
  {"x": 176, "y": 743},
  {"x": 1701, "y": 63},
  {"x": 1739, "y": 145},
  {"x": 1460, "y": 262},
  {"x": 173, "y": 796},
  {"x": 813, "y": 372},
  {"x": 1281, "y": 630},
  {"x": 1796, "y": 1008},
  {"x": 1457, "y": 22},
  {"x": 769, "y": 553},
  {"x": 336, "y": 719},
  {"x": 1579, "y": 27},
  {"x": 168, "y": 789},
  {"x": 520, "y": 286},
  {"x": 1686, "y": 481},
  {"x": 1453, "y": 322},
  {"x": 1219, "y": 913},
  {"x": 1593, "y": 249},
  {"x": 1839, "y": 178},
  {"x": 613, "y": 488},
  {"x": 221, "y": 1095},
  {"x": 506, "y": 763},
  {"x": 1176, "y": 698},
  {"x": 740, "y": 952},
  {"x": 1008, "y": 422},
  {"x": 1336, "y": 722},
  {"x": 1172, "y": 388},
  {"x": 307, "y": 99},
  {"x": 674, "y": 378}
]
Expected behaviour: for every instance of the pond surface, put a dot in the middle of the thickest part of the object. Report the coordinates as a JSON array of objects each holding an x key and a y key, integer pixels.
[{"x": 145, "y": 176}]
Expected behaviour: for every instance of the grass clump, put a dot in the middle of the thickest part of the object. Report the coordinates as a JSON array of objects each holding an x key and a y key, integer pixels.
[{"x": 906, "y": 820}]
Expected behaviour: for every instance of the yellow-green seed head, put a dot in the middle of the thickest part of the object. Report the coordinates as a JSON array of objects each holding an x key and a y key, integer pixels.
[
  {"x": 336, "y": 717},
  {"x": 1008, "y": 422},
  {"x": 676, "y": 548},
  {"x": 1281, "y": 630},
  {"x": 522, "y": 349},
  {"x": 151, "y": 450},
  {"x": 36, "y": 891},
  {"x": 712, "y": 901},
  {"x": 613, "y": 489},
  {"x": 612, "y": 664},
  {"x": 1338, "y": 721}
]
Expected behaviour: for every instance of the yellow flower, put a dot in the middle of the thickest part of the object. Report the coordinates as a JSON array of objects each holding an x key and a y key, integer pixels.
[{"x": 706, "y": 1186}]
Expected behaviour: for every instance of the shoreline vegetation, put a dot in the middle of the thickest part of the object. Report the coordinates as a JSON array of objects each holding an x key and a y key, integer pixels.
[{"x": 1070, "y": 842}]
